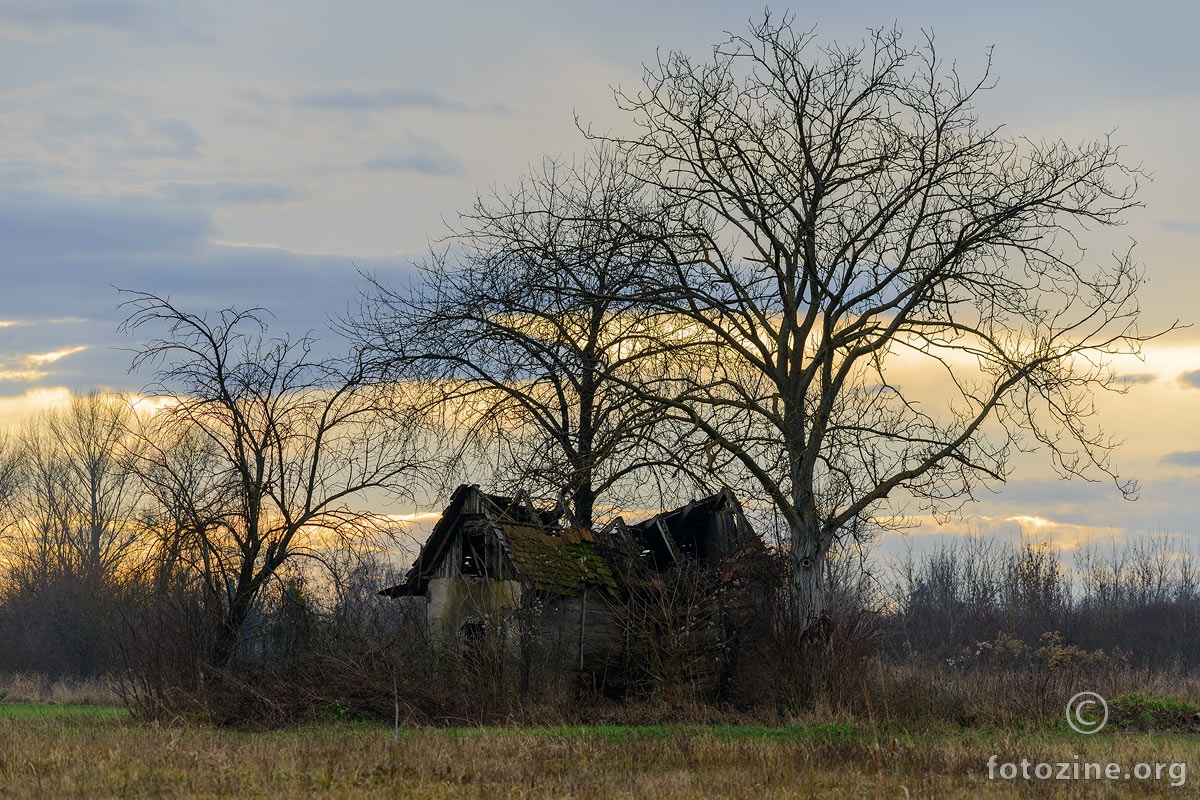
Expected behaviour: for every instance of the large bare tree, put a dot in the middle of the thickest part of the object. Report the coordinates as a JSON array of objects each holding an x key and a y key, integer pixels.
[
  {"x": 290, "y": 440},
  {"x": 528, "y": 334},
  {"x": 840, "y": 212}
]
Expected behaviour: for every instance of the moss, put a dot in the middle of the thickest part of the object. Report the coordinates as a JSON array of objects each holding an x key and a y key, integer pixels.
[{"x": 553, "y": 564}]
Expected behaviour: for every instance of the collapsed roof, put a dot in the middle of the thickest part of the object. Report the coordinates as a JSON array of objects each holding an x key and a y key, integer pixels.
[{"x": 483, "y": 535}]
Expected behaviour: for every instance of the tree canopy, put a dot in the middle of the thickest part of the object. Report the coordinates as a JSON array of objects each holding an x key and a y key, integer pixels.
[{"x": 835, "y": 209}]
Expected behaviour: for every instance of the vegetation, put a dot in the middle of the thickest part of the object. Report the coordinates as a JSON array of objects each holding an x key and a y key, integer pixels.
[
  {"x": 531, "y": 335},
  {"x": 834, "y": 211},
  {"x": 108, "y": 757}
]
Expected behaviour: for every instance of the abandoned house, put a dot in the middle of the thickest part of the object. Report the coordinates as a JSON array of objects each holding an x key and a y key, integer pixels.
[{"x": 574, "y": 607}]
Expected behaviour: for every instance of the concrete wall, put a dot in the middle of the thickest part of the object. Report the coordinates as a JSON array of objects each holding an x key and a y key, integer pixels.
[{"x": 456, "y": 601}]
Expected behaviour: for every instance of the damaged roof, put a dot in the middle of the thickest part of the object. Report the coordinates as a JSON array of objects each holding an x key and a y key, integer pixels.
[
  {"x": 562, "y": 560},
  {"x": 558, "y": 562}
]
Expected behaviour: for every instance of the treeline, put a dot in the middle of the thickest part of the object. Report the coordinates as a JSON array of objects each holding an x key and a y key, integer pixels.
[
  {"x": 1138, "y": 599},
  {"x": 153, "y": 535},
  {"x": 115, "y": 537}
]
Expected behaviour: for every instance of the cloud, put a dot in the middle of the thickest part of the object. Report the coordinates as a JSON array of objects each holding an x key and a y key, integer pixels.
[
  {"x": 63, "y": 251},
  {"x": 108, "y": 136},
  {"x": 1182, "y": 458},
  {"x": 40, "y": 359},
  {"x": 421, "y": 156},
  {"x": 1180, "y": 225},
  {"x": 168, "y": 138},
  {"x": 386, "y": 99},
  {"x": 46, "y": 228},
  {"x": 377, "y": 100},
  {"x": 424, "y": 163},
  {"x": 33, "y": 367},
  {"x": 1191, "y": 378},
  {"x": 1067, "y": 502},
  {"x": 155, "y": 21},
  {"x": 1136, "y": 378},
  {"x": 258, "y": 98},
  {"x": 73, "y": 122},
  {"x": 15, "y": 409},
  {"x": 229, "y": 193}
]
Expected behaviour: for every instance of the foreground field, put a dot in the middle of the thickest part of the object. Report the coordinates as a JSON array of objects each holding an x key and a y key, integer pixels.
[{"x": 50, "y": 751}]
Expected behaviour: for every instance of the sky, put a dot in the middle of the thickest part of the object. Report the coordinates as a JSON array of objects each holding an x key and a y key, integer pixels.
[{"x": 264, "y": 153}]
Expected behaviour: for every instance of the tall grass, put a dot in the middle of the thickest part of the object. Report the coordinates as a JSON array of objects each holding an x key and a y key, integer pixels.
[
  {"x": 108, "y": 758},
  {"x": 30, "y": 687}
]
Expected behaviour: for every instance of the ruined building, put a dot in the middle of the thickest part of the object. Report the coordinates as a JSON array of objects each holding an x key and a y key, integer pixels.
[{"x": 602, "y": 609}]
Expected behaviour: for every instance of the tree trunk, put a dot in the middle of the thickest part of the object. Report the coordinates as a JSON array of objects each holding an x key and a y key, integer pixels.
[
  {"x": 808, "y": 578},
  {"x": 230, "y": 631},
  {"x": 583, "y": 503}
]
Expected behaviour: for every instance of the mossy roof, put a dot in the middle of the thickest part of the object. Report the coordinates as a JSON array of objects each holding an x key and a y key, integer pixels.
[{"x": 562, "y": 563}]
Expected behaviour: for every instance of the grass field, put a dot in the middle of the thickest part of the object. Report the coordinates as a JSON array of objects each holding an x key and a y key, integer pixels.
[{"x": 79, "y": 751}]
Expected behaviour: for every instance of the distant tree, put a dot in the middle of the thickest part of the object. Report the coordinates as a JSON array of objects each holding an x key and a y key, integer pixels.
[
  {"x": 76, "y": 512},
  {"x": 290, "y": 440},
  {"x": 837, "y": 211},
  {"x": 528, "y": 335},
  {"x": 70, "y": 505},
  {"x": 11, "y": 480}
]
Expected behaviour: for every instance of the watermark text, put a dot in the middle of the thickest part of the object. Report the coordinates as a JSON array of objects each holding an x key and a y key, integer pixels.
[{"x": 1077, "y": 770}]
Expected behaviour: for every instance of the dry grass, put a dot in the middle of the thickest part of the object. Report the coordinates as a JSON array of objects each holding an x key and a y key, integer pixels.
[
  {"x": 96, "y": 756},
  {"x": 30, "y": 687}
]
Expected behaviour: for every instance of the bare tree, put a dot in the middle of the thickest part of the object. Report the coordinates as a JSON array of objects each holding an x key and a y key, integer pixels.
[
  {"x": 72, "y": 534},
  {"x": 12, "y": 477},
  {"x": 189, "y": 498},
  {"x": 528, "y": 335},
  {"x": 294, "y": 437},
  {"x": 842, "y": 210},
  {"x": 76, "y": 512}
]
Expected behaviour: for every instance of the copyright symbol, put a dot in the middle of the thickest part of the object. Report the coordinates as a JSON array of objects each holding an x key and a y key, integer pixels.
[{"x": 1087, "y": 713}]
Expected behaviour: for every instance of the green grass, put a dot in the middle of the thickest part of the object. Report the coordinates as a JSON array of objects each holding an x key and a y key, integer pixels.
[
  {"x": 1142, "y": 712},
  {"x": 833, "y": 731},
  {"x": 60, "y": 711}
]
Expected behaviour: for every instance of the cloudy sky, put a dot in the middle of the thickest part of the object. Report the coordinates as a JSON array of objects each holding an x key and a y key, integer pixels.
[{"x": 259, "y": 153}]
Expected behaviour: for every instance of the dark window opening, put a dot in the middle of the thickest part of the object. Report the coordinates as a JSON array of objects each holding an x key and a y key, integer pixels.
[
  {"x": 474, "y": 548},
  {"x": 472, "y": 633}
]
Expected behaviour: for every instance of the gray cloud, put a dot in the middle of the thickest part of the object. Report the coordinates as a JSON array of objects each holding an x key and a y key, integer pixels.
[
  {"x": 45, "y": 16},
  {"x": 1180, "y": 225},
  {"x": 258, "y": 98},
  {"x": 424, "y": 163},
  {"x": 63, "y": 122},
  {"x": 378, "y": 100},
  {"x": 1182, "y": 458},
  {"x": 112, "y": 134},
  {"x": 1075, "y": 502},
  {"x": 229, "y": 193},
  {"x": 419, "y": 155},
  {"x": 1191, "y": 378},
  {"x": 1137, "y": 377},
  {"x": 64, "y": 255},
  {"x": 153, "y": 20},
  {"x": 43, "y": 228},
  {"x": 174, "y": 139},
  {"x": 387, "y": 99}
]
